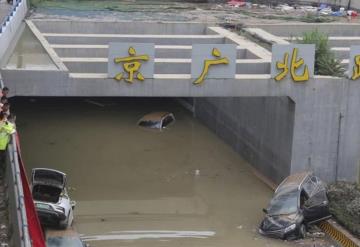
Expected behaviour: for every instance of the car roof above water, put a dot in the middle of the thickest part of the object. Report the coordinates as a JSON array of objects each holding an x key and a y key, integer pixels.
[
  {"x": 155, "y": 116},
  {"x": 293, "y": 181}
]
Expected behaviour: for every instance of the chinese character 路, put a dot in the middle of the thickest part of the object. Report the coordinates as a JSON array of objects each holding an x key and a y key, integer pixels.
[
  {"x": 209, "y": 62},
  {"x": 294, "y": 66},
  {"x": 131, "y": 65}
]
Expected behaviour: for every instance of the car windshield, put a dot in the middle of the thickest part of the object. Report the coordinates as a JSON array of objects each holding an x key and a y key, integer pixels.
[
  {"x": 284, "y": 202},
  {"x": 149, "y": 124},
  {"x": 63, "y": 242}
]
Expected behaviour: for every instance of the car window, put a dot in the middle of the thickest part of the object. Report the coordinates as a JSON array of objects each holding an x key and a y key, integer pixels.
[
  {"x": 309, "y": 187},
  {"x": 317, "y": 199},
  {"x": 285, "y": 202},
  {"x": 149, "y": 124},
  {"x": 167, "y": 120}
]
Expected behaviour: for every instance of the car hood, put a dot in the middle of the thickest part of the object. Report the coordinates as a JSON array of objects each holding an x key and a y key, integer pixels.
[{"x": 277, "y": 222}]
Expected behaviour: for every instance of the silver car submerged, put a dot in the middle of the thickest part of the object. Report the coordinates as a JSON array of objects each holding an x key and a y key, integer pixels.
[
  {"x": 51, "y": 199},
  {"x": 157, "y": 120}
]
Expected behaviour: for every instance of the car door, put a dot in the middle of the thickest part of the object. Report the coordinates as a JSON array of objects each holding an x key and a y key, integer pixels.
[{"x": 316, "y": 206}]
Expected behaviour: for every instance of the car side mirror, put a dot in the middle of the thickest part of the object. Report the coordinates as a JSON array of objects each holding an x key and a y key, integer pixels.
[
  {"x": 265, "y": 210},
  {"x": 73, "y": 204}
]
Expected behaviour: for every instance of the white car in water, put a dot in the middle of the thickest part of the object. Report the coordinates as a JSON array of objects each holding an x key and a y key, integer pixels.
[{"x": 51, "y": 199}]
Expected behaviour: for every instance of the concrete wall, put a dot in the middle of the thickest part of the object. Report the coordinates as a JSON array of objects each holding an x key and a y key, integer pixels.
[
  {"x": 119, "y": 27},
  {"x": 10, "y": 30},
  {"x": 260, "y": 129}
]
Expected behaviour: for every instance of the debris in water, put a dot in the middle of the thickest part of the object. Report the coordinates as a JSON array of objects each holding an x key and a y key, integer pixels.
[{"x": 94, "y": 103}]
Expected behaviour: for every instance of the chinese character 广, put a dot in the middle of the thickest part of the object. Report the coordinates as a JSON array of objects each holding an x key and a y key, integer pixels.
[{"x": 209, "y": 62}]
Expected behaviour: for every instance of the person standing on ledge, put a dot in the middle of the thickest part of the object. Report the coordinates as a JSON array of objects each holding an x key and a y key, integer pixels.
[{"x": 6, "y": 129}]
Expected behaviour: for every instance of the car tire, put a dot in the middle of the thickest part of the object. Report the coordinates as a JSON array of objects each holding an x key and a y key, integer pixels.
[{"x": 302, "y": 231}]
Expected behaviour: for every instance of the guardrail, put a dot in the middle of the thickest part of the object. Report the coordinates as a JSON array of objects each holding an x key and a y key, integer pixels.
[
  {"x": 17, "y": 209},
  {"x": 10, "y": 25},
  {"x": 8, "y": 18}
]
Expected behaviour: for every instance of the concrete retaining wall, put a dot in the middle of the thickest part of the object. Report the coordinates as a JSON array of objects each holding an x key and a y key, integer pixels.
[{"x": 259, "y": 128}]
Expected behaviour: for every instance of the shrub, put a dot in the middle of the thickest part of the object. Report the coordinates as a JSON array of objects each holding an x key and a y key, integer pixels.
[{"x": 325, "y": 61}]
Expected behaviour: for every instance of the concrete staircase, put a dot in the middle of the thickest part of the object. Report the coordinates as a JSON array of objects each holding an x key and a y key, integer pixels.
[
  {"x": 341, "y": 35},
  {"x": 83, "y": 47}
]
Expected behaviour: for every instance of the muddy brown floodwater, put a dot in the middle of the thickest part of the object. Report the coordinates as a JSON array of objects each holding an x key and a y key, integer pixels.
[{"x": 133, "y": 187}]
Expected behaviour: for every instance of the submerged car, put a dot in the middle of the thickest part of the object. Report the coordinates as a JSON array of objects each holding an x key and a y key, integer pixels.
[
  {"x": 299, "y": 201},
  {"x": 51, "y": 199},
  {"x": 68, "y": 238},
  {"x": 157, "y": 120}
]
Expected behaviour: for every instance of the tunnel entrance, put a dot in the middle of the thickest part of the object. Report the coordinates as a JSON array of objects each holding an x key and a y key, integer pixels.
[{"x": 183, "y": 185}]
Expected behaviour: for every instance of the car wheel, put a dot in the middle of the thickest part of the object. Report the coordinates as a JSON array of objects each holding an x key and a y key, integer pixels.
[{"x": 302, "y": 231}]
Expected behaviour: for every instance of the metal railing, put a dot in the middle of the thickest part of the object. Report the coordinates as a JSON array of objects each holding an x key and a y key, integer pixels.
[
  {"x": 8, "y": 18},
  {"x": 17, "y": 187}
]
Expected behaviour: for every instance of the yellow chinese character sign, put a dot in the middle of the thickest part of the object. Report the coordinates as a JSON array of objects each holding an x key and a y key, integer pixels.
[
  {"x": 212, "y": 61},
  {"x": 354, "y": 63},
  {"x": 131, "y": 62},
  {"x": 293, "y": 61}
]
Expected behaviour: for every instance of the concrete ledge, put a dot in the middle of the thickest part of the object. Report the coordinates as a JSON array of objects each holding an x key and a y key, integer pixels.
[
  {"x": 159, "y": 40},
  {"x": 163, "y": 66},
  {"x": 231, "y": 37},
  {"x": 161, "y": 51},
  {"x": 265, "y": 36},
  {"x": 164, "y": 76},
  {"x": 46, "y": 46},
  {"x": 145, "y": 36},
  {"x": 124, "y": 27},
  {"x": 332, "y": 29}
]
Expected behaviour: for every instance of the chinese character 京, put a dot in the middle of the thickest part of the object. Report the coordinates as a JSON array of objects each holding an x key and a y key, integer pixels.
[
  {"x": 131, "y": 65},
  {"x": 356, "y": 69},
  {"x": 209, "y": 62},
  {"x": 294, "y": 66}
]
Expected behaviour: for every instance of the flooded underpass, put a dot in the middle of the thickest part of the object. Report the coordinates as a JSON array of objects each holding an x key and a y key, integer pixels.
[{"x": 179, "y": 187}]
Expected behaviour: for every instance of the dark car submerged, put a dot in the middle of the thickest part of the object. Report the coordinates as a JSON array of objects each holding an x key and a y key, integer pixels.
[{"x": 299, "y": 201}]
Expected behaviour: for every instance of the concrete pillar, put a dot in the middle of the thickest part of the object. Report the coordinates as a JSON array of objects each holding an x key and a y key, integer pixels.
[
  {"x": 349, "y": 143},
  {"x": 316, "y": 127}
]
